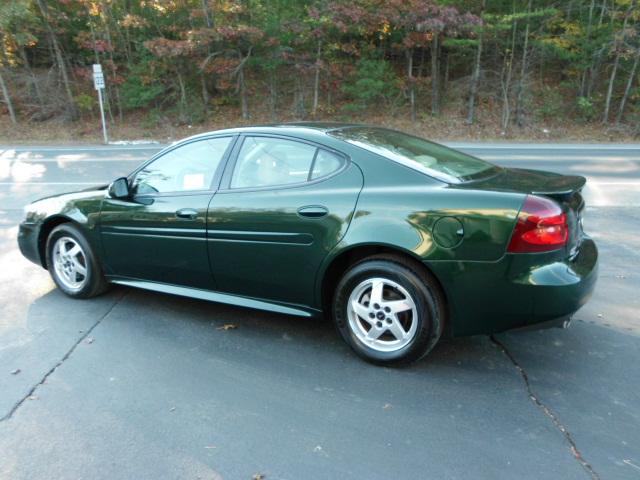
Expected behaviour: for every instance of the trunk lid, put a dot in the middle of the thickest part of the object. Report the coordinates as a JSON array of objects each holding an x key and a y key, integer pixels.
[{"x": 536, "y": 182}]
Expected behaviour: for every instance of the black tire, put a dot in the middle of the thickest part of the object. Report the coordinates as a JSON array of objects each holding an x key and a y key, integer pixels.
[
  {"x": 94, "y": 284},
  {"x": 417, "y": 282}
]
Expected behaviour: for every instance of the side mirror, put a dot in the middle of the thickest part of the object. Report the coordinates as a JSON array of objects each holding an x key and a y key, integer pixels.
[{"x": 120, "y": 188}]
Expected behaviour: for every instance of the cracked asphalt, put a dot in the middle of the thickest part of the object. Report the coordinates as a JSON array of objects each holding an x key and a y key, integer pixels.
[{"x": 135, "y": 384}]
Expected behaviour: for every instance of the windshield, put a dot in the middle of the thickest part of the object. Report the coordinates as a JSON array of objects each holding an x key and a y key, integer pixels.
[{"x": 435, "y": 160}]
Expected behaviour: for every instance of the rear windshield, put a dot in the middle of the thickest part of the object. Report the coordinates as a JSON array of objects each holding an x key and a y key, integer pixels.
[{"x": 435, "y": 160}]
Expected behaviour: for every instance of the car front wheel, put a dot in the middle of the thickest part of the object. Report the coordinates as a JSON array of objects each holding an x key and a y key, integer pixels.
[
  {"x": 388, "y": 310},
  {"x": 72, "y": 263}
]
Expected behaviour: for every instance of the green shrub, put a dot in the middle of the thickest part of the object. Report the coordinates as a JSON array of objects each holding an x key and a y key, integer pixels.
[
  {"x": 552, "y": 104},
  {"x": 373, "y": 81},
  {"x": 85, "y": 102},
  {"x": 585, "y": 108},
  {"x": 139, "y": 91}
]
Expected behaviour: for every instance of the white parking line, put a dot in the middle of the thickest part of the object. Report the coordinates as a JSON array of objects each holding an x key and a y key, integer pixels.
[
  {"x": 555, "y": 158},
  {"x": 67, "y": 161},
  {"x": 155, "y": 146},
  {"x": 628, "y": 183},
  {"x": 542, "y": 146},
  {"x": 50, "y": 183}
]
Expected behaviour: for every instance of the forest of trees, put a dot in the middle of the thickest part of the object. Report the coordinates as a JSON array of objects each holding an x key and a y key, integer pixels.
[{"x": 517, "y": 60}]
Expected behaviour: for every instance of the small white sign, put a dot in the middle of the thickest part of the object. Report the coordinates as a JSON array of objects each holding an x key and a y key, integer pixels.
[
  {"x": 98, "y": 77},
  {"x": 193, "y": 181}
]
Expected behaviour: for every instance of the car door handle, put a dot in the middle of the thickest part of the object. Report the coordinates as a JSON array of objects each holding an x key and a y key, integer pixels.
[
  {"x": 187, "y": 213},
  {"x": 313, "y": 211}
]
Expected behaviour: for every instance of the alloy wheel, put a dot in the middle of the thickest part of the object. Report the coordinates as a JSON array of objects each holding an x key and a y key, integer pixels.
[
  {"x": 70, "y": 263},
  {"x": 382, "y": 314}
]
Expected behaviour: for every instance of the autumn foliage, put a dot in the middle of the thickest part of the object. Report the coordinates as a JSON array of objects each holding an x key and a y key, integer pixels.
[{"x": 186, "y": 59}]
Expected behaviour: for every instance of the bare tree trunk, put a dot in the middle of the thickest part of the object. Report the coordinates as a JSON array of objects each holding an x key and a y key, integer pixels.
[
  {"x": 506, "y": 83},
  {"x": 205, "y": 92},
  {"x": 435, "y": 87},
  {"x": 242, "y": 88},
  {"x": 97, "y": 60},
  {"x": 208, "y": 16},
  {"x": 7, "y": 98},
  {"x": 114, "y": 85},
  {"x": 593, "y": 70},
  {"x": 273, "y": 93},
  {"x": 445, "y": 78},
  {"x": 583, "y": 79},
  {"x": 412, "y": 86},
  {"x": 612, "y": 78},
  {"x": 616, "y": 63},
  {"x": 32, "y": 77},
  {"x": 72, "y": 109},
  {"x": 421, "y": 64},
  {"x": 475, "y": 76},
  {"x": 627, "y": 90},
  {"x": 329, "y": 91},
  {"x": 183, "y": 98},
  {"x": 298, "y": 98},
  {"x": 523, "y": 71},
  {"x": 316, "y": 81},
  {"x": 3, "y": 85}
]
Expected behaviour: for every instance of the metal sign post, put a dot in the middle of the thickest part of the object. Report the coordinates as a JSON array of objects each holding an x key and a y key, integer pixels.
[{"x": 98, "y": 84}]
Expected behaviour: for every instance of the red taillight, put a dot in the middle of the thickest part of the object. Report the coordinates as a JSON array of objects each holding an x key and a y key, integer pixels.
[{"x": 541, "y": 227}]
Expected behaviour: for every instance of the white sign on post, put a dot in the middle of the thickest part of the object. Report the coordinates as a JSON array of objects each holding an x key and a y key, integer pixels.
[
  {"x": 98, "y": 84},
  {"x": 98, "y": 77}
]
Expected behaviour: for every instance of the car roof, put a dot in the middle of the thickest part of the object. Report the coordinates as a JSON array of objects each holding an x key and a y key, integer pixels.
[{"x": 280, "y": 128}]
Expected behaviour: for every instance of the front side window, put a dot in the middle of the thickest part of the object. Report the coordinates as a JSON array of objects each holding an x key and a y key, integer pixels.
[
  {"x": 264, "y": 162},
  {"x": 185, "y": 168},
  {"x": 435, "y": 160}
]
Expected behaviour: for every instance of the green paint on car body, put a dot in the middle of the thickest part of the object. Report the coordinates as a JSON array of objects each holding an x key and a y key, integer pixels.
[{"x": 272, "y": 247}]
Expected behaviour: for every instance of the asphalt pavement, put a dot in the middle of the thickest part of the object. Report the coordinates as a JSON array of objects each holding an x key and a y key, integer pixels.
[{"x": 135, "y": 384}]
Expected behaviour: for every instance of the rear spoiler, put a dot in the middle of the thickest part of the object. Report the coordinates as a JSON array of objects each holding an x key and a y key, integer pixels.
[
  {"x": 562, "y": 186},
  {"x": 564, "y": 189}
]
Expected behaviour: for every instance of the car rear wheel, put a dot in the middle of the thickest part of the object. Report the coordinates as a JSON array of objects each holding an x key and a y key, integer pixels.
[
  {"x": 388, "y": 310},
  {"x": 72, "y": 263}
]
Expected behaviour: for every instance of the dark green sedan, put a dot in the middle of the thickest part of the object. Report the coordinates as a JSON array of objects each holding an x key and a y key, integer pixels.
[{"x": 399, "y": 240}]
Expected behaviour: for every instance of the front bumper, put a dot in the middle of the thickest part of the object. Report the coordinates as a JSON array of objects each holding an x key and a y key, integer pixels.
[
  {"x": 519, "y": 290},
  {"x": 28, "y": 241}
]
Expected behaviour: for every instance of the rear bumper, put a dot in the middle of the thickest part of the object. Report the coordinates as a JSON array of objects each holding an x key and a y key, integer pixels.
[
  {"x": 519, "y": 290},
  {"x": 28, "y": 241}
]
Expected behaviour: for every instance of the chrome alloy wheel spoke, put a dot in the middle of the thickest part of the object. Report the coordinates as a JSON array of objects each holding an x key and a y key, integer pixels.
[
  {"x": 382, "y": 314},
  {"x": 70, "y": 263}
]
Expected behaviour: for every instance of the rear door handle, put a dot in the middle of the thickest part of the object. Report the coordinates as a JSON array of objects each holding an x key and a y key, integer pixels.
[
  {"x": 187, "y": 213},
  {"x": 313, "y": 211}
]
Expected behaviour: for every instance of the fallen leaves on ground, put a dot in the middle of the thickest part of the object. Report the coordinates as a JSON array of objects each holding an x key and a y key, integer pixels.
[{"x": 228, "y": 326}]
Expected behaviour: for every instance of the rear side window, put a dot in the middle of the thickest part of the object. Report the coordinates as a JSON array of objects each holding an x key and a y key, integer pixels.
[
  {"x": 431, "y": 158},
  {"x": 266, "y": 162},
  {"x": 325, "y": 164}
]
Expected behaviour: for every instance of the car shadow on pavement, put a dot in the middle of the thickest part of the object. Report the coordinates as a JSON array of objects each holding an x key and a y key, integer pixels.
[{"x": 166, "y": 384}]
